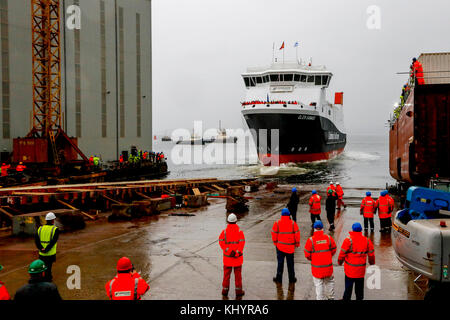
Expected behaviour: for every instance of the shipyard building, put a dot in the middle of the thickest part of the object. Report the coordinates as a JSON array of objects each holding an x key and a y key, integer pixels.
[{"x": 105, "y": 74}]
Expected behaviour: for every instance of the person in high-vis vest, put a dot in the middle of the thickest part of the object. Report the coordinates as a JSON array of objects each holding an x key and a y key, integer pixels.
[
  {"x": 332, "y": 187},
  {"x": 285, "y": 237},
  {"x": 320, "y": 249},
  {"x": 314, "y": 207},
  {"x": 20, "y": 167},
  {"x": 96, "y": 161},
  {"x": 367, "y": 210},
  {"x": 4, "y": 169},
  {"x": 385, "y": 206},
  {"x": 340, "y": 196},
  {"x": 232, "y": 242},
  {"x": 355, "y": 251},
  {"x": 418, "y": 71},
  {"x": 4, "y": 295},
  {"x": 127, "y": 284},
  {"x": 46, "y": 240},
  {"x": 38, "y": 289}
]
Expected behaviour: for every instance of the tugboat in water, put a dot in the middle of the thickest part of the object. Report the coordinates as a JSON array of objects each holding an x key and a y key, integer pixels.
[
  {"x": 223, "y": 137},
  {"x": 289, "y": 100}
]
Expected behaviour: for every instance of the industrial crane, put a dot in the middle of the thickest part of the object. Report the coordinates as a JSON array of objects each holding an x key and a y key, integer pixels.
[{"x": 47, "y": 146}]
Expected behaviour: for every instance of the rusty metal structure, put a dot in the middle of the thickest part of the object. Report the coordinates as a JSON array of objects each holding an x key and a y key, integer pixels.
[
  {"x": 45, "y": 24},
  {"x": 46, "y": 143},
  {"x": 419, "y": 139}
]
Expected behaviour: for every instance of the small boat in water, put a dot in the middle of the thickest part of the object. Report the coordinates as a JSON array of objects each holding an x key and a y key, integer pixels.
[
  {"x": 192, "y": 140},
  {"x": 222, "y": 136}
]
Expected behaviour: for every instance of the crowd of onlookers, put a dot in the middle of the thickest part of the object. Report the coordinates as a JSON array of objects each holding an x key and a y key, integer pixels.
[{"x": 246, "y": 103}]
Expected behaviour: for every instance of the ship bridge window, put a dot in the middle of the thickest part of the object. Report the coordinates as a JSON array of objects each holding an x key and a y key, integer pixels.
[
  {"x": 247, "y": 81},
  {"x": 296, "y": 77},
  {"x": 266, "y": 79},
  {"x": 258, "y": 79},
  {"x": 318, "y": 80},
  {"x": 288, "y": 77},
  {"x": 324, "y": 80},
  {"x": 310, "y": 79},
  {"x": 252, "y": 81},
  {"x": 273, "y": 78},
  {"x": 303, "y": 78},
  {"x": 281, "y": 77}
]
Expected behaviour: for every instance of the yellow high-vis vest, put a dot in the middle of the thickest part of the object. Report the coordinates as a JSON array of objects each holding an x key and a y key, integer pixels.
[{"x": 46, "y": 234}]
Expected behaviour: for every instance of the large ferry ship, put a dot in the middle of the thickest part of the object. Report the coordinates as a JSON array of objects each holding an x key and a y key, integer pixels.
[{"x": 289, "y": 100}]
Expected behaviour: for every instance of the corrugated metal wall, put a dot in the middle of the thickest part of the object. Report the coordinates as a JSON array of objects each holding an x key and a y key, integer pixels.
[
  {"x": 436, "y": 67},
  {"x": 96, "y": 77}
]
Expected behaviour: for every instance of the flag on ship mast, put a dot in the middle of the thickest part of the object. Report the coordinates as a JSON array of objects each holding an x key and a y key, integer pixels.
[
  {"x": 282, "y": 48},
  {"x": 296, "y": 45}
]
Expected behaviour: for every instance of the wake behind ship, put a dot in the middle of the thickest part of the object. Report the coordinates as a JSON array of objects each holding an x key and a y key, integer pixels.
[{"x": 289, "y": 100}]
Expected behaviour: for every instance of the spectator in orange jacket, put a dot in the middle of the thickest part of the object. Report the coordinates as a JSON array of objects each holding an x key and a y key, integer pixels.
[
  {"x": 4, "y": 295},
  {"x": 285, "y": 237},
  {"x": 418, "y": 71},
  {"x": 232, "y": 242},
  {"x": 320, "y": 249},
  {"x": 315, "y": 207},
  {"x": 340, "y": 196},
  {"x": 4, "y": 169},
  {"x": 354, "y": 253},
  {"x": 127, "y": 284}
]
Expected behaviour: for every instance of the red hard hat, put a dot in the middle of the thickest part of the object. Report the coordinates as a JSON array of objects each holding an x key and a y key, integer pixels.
[{"x": 124, "y": 264}]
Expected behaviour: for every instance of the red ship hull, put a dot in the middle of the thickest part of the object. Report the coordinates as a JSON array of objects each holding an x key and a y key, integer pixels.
[
  {"x": 272, "y": 159},
  {"x": 419, "y": 140}
]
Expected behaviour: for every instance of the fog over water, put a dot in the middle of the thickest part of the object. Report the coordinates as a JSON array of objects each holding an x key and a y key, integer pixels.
[{"x": 201, "y": 47}]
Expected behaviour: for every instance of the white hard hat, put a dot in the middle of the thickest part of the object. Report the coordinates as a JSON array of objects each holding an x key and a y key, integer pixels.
[
  {"x": 331, "y": 182},
  {"x": 232, "y": 218},
  {"x": 337, "y": 182},
  {"x": 50, "y": 216}
]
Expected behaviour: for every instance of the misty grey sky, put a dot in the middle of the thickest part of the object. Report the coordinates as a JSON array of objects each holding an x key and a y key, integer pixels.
[{"x": 200, "y": 48}]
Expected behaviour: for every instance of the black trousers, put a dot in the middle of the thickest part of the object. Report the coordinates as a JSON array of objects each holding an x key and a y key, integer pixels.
[
  {"x": 48, "y": 260},
  {"x": 368, "y": 221},
  {"x": 290, "y": 265},
  {"x": 315, "y": 217},
  {"x": 385, "y": 223},
  {"x": 359, "y": 288},
  {"x": 330, "y": 217},
  {"x": 293, "y": 214}
]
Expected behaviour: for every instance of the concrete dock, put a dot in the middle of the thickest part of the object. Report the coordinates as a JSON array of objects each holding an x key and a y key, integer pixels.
[{"x": 181, "y": 259}]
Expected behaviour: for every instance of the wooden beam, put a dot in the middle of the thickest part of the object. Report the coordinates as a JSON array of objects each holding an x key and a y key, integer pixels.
[
  {"x": 73, "y": 208},
  {"x": 9, "y": 215},
  {"x": 209, "y": 188},
  {"x": 111, "y": 199},
  {"x": 142, "y": 195},
  {"x": 217, "y": 187}
]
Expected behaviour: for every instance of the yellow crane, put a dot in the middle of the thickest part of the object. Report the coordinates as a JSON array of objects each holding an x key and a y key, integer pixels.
[{"x": 46, "y": 143}]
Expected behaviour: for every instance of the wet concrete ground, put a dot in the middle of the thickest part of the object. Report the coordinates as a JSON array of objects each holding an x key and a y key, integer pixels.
[{"x": 181, "y": 259}]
